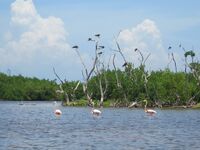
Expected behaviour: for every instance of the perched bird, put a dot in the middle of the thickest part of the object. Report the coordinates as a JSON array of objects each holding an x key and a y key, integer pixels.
[
  {"x": 95, "y": 112},
  {"x": 100, "y": 53},
  {"x": 125, "y": 64},
  {"x": 102, "y": 47},
  {"x": 75, "y": 46},
  {"x": 169, "y": 47},
  {"x": 90, "y": 39},
  {"x": 135, "y": 49},
  {"x": 180, "y": 45},
  {"x": 97, "y": 35},
  {"x": 149, "y": 111}
]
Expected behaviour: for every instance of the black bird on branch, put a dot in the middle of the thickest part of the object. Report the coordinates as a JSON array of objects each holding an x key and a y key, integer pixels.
[
  {"x": 125, "y": 64},
  {"x": 102, "y": 47},
  {"x": 169, "y": 47},
  {"x": 100, "y": 53},
  {"x": 90, "y": 39},
  {"x": 75, "y": 46},
  {"x": 135, "y": 49},
  {"x": 97, "y": 35}
]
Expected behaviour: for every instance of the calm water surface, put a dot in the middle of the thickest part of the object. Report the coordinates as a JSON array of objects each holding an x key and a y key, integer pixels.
[{"x": 34, "y": 126}]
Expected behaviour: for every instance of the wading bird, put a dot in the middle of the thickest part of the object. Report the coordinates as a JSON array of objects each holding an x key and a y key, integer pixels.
[
  {"x": 149, "y": 111},
  {"x": 95, "y": 112},
  {"x": 58, "y": 112}
]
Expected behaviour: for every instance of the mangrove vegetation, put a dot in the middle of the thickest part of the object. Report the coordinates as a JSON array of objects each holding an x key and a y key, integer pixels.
[{"x": 110, "y": 85}]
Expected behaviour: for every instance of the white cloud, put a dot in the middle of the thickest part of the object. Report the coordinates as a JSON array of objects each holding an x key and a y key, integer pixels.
[
  {"x": 41, "y": 42},
  {"x": 146, "y": 37},
  {"x": 23, "y": 12}
]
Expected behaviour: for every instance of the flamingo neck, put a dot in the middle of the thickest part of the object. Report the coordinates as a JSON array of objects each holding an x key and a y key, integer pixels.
[
  {"x": 145, "y": 106},
  {"x": 145, "y": 109}
]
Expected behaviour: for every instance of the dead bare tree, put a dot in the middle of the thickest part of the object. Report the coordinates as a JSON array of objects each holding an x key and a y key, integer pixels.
[
  {"x": 125, "y": 64},
  {"x": 61, "y": 91},
  {"x": 174, "y": 62},
  {"x": 119, "y": 85},
  {"x": 87, "y": 74},
  {"x": 67, "y": 98},
  {"x": 116, "y": 74},
  {"x": 119, "y": 50},
  {"x": 100, "y": 72},
  {"x": 145, "y": 74},
  {"x": 73, "y": 94},
  {"x": 172, "y": 59}
]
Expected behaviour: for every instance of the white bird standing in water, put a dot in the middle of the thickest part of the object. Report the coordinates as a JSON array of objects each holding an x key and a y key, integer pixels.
[
  {"x": 57, "y": 111},
  {"x": 149, "y": 111},
  {"x": 95, "y": 112}
]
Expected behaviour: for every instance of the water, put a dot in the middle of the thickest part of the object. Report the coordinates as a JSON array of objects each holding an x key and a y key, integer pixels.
[{"x": 33, "y": 126}]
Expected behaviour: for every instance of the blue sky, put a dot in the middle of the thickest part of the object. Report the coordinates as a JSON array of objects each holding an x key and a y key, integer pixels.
[{"x": 31, "y": 49}]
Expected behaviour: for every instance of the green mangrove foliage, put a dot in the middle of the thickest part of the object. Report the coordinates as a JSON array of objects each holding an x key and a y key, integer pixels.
[
  {"x": 22, "y": 88},
  {"x": 163, "y": 87}
]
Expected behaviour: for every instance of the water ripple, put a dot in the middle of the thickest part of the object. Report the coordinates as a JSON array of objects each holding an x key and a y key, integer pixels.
[{"x": 35, "y": 127}]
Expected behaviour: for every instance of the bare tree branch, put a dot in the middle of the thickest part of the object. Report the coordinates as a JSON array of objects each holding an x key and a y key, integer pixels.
[
  {"x": 108, "y": 66},
  {"x": 87, "y": 75},
  {"x": 116, "y": 75},
  {"x": 174, "y": 62},
  {"x": 77, "y": 85},
  {"x": 66, "y": 96},
  {"x": 146, "y": 58},
  {"x": 144, "y": 74},
  {"x": 57, "y": 76},
  {"x": 86, "y": 72},
  {"x": 74, "y": 90}
]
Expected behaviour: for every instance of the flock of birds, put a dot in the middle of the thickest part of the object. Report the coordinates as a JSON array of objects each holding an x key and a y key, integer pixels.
[{"x": 96, "y": 112}]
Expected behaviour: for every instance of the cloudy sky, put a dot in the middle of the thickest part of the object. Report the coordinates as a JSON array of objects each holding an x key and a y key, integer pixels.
[{"x": 37, "y": 35}]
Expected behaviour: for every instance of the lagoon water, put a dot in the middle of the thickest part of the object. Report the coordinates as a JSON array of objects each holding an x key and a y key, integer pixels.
[{"x": 33, "y": 126}]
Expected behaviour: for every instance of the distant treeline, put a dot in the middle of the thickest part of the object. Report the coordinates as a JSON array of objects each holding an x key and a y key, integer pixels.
[
  {"x": 164, "y": 87},
  {"x": 23, "y": 88}
]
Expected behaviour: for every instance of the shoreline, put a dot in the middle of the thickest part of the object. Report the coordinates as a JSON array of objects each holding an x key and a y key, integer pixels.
[{"x": 108, "y": 104}]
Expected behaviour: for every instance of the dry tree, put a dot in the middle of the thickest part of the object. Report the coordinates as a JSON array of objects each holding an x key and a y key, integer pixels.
[
  {"x": 145, "y": 74},
  {"x": 87, "y": 73},
  {"x": 67, "y": 96},
  {"x": 100, "y": 72},
  {"x": 172, "y": 59}
]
